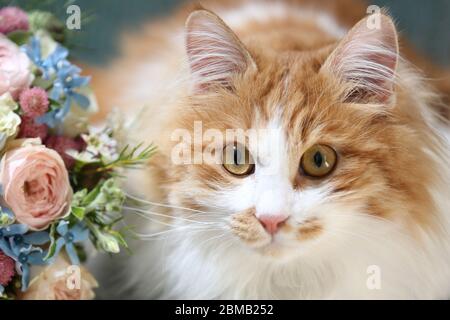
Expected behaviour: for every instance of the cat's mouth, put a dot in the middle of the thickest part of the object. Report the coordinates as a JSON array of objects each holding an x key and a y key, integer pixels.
[{"x": 290, "y": 235}]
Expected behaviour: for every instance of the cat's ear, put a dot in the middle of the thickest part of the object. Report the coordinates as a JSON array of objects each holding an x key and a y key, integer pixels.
[
  {"x": 215, "y": 53},
  {"x": 367, "y": 59}
]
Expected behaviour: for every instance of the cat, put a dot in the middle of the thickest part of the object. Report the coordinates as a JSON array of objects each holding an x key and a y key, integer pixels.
[{"x": 343, "y": 194}]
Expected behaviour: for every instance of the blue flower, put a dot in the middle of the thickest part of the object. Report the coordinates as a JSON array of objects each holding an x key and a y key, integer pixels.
[
  {"x": 49, "y": 65},
  {"x": 33, "y": 51},
  {"x": 66, "y": 79},
  {"x": 10, "y": 231},
  {"x": 69, "y": 236},
  {"x": 18, "y": 232},
  {"x": 56, "y": 59},
  {"x": 15, "y": 243}
]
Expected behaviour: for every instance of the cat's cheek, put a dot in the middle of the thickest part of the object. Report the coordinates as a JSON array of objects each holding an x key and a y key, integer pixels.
[
  {"x": 310, "y": 203},
  {"x": 238, "y": 198},
  {"x": 248, "y": 229}
]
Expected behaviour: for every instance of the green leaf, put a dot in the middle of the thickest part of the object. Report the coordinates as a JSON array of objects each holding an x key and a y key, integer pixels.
[
  {"x": 91, "y": 195},
  {"x": 119, "y": 238},
  {"x": 107, "y": 218},
  {"x": 79, "y": 212},
  {"x": 106, "y": 239},
  {"x": 45, "y": 84},
  {"x": 20, "y": 37},
  {"x": 52, "y": 247},
  {"x": 54, "y": 104},
  {"x": 129, "y": 159}
]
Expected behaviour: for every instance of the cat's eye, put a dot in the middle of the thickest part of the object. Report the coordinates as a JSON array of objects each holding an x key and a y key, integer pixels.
[
  {"x": 237, "y": 160},
  {"x": 318, "y": 161}
]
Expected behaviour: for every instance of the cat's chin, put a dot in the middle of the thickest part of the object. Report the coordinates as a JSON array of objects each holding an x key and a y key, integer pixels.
[
  {"x": 281, "y": 251},
  {"x": 277, "y": 252}
]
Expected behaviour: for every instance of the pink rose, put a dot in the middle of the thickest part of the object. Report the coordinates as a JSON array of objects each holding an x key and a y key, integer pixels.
[
  {"x": 15, "y": 72},
  {"x": 35, "y": 185}
]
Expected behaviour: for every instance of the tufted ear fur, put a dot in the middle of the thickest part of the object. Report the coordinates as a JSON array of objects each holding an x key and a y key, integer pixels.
[
  {"x": 215, "y": 53},
  {"x": 367, "y": 59}
]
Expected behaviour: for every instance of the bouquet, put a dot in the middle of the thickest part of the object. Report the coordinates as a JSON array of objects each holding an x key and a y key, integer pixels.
[{"x": 59, "y": 177}]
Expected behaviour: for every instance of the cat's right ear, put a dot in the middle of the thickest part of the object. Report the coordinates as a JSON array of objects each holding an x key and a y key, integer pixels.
[{"x": 214, "y": 52}]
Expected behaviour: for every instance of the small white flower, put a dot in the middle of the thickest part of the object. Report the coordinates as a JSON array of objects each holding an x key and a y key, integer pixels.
[
  {"x": 100, "y": 147},
  {"x": 48, "y": 45},
  {"x": 9, "y": 120},
  {"x": 108, "y": 242}
]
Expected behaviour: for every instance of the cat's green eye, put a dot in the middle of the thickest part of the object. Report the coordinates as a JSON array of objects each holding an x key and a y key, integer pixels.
[
  {"x": 318, "y": 161},
  {"x": 237, "y": 160}
]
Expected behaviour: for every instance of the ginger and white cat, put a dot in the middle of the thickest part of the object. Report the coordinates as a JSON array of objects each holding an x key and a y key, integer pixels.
[{"x": 347, "y": 195}]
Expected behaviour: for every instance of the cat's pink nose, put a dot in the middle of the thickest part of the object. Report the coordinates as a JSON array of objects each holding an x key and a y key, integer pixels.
[{"x": 272, "y": 222}]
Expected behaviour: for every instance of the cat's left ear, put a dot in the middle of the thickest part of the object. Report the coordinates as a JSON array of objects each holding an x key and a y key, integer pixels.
[
  {"x": 214, "y": 52},
  {"x": 367, "y": 58}
]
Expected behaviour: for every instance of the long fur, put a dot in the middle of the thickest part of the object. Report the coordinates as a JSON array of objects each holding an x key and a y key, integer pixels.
[{"x": 386, "y": 206}]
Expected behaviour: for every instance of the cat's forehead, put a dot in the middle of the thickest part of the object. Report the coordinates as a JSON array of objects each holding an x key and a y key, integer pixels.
[
  {"x": 287, "y": 92},
  {"x": 289, "y": 87},
  {"x": 299, "y": 105}
]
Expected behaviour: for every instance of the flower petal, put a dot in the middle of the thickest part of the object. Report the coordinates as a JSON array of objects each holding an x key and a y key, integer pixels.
[
  {"x": 80, "y": 82},
  {"x": 25, "y": 276},
  {"x": 80, "y": 99},
  {"x": 59, "y": 244},
  {"x": 70, "y": 249},
  {"x": 15, "y": 229},
  {"x": 60, "y": 53},
  {"x": 37, "y": 238},
  {"x": 80, "y": 233},
  {"x": 49, "y": 119},
  {"x": 36, "y": 258},
  {"x": 63, "y": 227}
]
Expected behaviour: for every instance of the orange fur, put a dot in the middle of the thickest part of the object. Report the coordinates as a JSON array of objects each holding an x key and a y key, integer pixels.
[{"x": 385, "y": 167}]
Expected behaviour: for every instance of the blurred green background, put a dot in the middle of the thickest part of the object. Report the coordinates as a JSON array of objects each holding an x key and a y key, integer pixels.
[{"x": 426, "y": 23}]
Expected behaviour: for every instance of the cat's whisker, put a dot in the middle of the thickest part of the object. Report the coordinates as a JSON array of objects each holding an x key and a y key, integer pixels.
[
  {"x": 353, "y": 234},
  {"x": 197, "y": 212},
  {"x": 400, "y": 247},
  {"x": 151, "y": 203},
  {"x": 163, "y": 215},
  {"x": 175, "y": 228},
  {"x": 157, "y": 235},
  {"x": 361, "y": 215},
  {"x": 371, "y": 237},
  {"x": 203, "y": 218},
  {"x": 213, "y": 238},
  {"x": 153, "y": 219},
  {"x": 370, "y": 217}
]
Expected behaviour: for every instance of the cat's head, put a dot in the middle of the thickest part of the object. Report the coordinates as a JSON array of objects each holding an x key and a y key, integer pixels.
[{"x": 322, "y": 143}]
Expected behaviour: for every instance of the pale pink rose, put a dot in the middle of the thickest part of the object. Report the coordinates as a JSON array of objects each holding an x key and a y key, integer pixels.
[
  {"x": 35, "y": 185},
  {"x": 60, "y": 281},
  {"x": 15, "y": 74}
]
